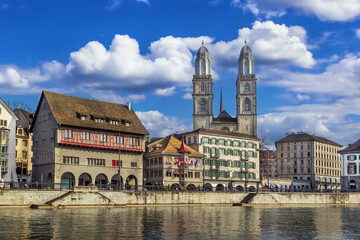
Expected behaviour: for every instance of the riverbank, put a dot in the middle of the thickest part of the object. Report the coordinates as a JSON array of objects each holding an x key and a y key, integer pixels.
[{"x": 93, "y": 197}]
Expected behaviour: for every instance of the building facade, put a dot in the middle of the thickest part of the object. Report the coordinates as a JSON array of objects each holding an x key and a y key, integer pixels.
[
  {"x": 77, "y": 141},
  {"x": 246, "y": 96},
  {"x": 231, "y": 159},
  {"x": 350, "y": 167},
  {"x": 7, "y": 142},
  {"x": 268, "y": 163},
  {"x": 312, "y": 159},
  {"x": 24, "y": 153},
  {"x": 163, "y": 165}
]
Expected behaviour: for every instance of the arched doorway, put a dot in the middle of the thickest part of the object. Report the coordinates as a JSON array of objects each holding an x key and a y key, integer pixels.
[
  {"x": 50, "y": 180},
  {"x": 67, "y": 180},
  {"x": 85, "y": 179},
  {"x": 175, "y": 187},
  {"x": 131, "y": 183},
  {"x": 239, "y": 188},
  {"x": 219, "y": 188},
  {"x": 352, "y": 184},
  {"x": 115, "y": 182},
  {"x": 251, "y": 189},
  {"x": 208, "y": 187},
  {"x": 191, "y": 188},
  {"x": 101, "y": 180}
]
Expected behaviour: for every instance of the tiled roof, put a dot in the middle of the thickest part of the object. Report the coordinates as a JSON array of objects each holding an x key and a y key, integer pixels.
[
  {"x": 219, "y": 132},
  {"x": 68, "y": 109},
  {"x": 355, "y": 147},
  {"x": 25, "y": 113},
  {"x": 170, "y": 144},
  {"x": 302, "y": 137}
]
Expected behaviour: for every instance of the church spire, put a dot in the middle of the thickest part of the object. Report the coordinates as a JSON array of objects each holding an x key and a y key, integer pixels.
[{"x": 221, "y": 103}]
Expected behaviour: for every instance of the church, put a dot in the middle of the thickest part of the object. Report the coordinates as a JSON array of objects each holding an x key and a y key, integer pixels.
[{"x": 245, "y": 120}]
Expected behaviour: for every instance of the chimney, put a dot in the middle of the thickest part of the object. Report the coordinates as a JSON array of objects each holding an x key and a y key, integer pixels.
[{"x": 129, "y": 106}]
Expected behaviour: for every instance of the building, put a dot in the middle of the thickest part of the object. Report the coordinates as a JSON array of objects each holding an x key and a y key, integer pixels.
[
  {"x": 350, "y": 167},
  {"x": 24, "y": 153},
  {"x": 231, "y": 159},
  {"x": 76, "y": 142},
  {"x": 162, "y": 166},
  {"x": 7, "y": 142},
  {"x": 268, "y": 163},
  {"x": 246, "y": 112},
  {"x": 312, "y": 159}
]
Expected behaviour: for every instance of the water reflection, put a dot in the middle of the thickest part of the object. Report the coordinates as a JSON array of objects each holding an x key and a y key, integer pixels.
[{"x": 214, "y": 222}]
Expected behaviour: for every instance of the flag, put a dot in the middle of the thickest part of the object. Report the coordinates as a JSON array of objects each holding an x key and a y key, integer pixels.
[
  {"x": 191, "y": 162},
  {"x": 181, "y": 162},
  {"x": 197, "y": 163}
]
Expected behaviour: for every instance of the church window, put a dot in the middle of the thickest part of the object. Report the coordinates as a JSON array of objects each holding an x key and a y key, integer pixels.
[
  {"x": 202, "y": 107},
  {"x": 202, "y": 67},
  {"x": 247, "y": 105},
  {"x": 202, "y": 88},
  {"x": 247, "y": 88},
  {"x": 246, "y": 66}
]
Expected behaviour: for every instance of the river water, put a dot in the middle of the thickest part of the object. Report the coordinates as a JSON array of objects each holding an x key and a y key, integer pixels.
[{"x": 185, "y": 222}]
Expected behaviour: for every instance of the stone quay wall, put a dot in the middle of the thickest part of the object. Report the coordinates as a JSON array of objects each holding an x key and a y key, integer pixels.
[{"x": 96, "y": 198}]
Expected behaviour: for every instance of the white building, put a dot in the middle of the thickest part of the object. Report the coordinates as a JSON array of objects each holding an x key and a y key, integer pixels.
[
  {"x": 350, "y": 167},
  {"x": 7, "y": 142}
]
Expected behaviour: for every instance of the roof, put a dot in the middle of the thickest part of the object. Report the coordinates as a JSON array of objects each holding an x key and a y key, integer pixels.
[
  {"x": 226, "y": 133},
  {"x": 170, "y": 144},
  {"x": 8, "y": 109},
  {"x": 245, "y": 50},
  {"x": 68, "y": 109},
  {"x": 183, "y": 148},
  {"x": 302, "y": 137},
  {"x": 355, "y": 147},
  {"x": 203, "y": 51},
  {"x": 29, "y": 116},
  {"x": 225, "y": 117}
]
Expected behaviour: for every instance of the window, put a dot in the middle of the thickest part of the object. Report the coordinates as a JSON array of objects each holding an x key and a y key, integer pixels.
[
  {"x": 197, "y": 174},
  {"x": 251, "y": 165},
  {"x": 127, "y": 124},
  {"x": 221, "y": 142},
  {"x": 351, "y": 157},
  {"x": 236, "y": 144},
  {"x": 202, "y": 106},
  {"x": 351, "y": 169},
  {"x": 250, "y": 145},
  {"x": 294, "y": 147},
  {"x": 294, "y": 155},
  {"x": 202, "y": 88},
  {"x": 96, "y": 162},
  {"x": 205, "y": 140},
  {"x": 24, "y": 143},
  {"x": 44, "y": 135},
  {"x": 301, "y": 154},
  {"x": 86, "y": 135},
  {"x": 236, "y": 163},
  {"x": 301, "y": 147},
  {"x": 103, "y": 137},
  {"x": 115, "y": 163},
  {"x": 247, "y": 105},
  {"x": 243, "y": 144},
  {"x": 68, "y": 133},
  {"x": 99, "y": 120},
  {"x": 134, "y": 164},
  {"x": 114, "y": 122},
  {"x": 70, "y": 160},
  {"x": 247, "y": 88},
  {"x": 221, "y": 151},
  {"x": 207, "y": 162},
  {"x": 213, "y": 141},
  {"x": 168, "y": 173},
  {"x": 295, "y": 163},
  {"x": 83, "y": 118},
  {"x": 251, "y": 154},
  {"x": 223, "y": 174}
]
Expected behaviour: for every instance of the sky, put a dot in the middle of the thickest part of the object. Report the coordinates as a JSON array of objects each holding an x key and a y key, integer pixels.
[{"x": 306, "y": 54}]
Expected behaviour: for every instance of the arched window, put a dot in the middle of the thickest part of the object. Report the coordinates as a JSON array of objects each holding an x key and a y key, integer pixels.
[
  {"x": 202, "y": 67},
  {"x": 246, "y": 66},
  {"x": 247, "y": 88},
  {"x": 247, "y": 105},
  {"x": 202, "y": 106},
  {"x": 20, "y": 131},
  {"x": 202, "y": 88}
]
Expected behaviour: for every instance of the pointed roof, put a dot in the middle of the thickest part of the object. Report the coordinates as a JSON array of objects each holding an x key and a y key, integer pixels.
[
  {"x": 302, "y": 136},
  {"x": 8, "y": 109},
  {"x": 183, "y": 147},
  {"x": 170, "y": 144}
]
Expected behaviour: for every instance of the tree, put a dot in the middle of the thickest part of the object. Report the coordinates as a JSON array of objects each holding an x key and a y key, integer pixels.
[
  {"x": 264, "y": 144},
  {"x": 15, "y": 104}
]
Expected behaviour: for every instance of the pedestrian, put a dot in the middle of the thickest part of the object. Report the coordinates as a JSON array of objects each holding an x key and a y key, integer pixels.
[
  {"x": 36, "y": 184},
  {"x": 11, "y": 183}
]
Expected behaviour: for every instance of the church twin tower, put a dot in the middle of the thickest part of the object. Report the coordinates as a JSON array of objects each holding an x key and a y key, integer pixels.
[{"x": 246, "y": 114}]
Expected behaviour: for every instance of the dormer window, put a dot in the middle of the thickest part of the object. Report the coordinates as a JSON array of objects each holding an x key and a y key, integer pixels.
[
  {"x": 20, "y": 131},
  {"x": 114, "y": 122},
  {"x": 83, "y": 118},
  {"x": 99, "y": 120},
  {"x": 127, "y": 123}
]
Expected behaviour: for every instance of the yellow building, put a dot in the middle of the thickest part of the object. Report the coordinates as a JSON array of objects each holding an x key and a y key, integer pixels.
[
  {"x": 314, "y": 160},
  {"x": 162, "y": 167},
  {"x": 24, "y": 152}
]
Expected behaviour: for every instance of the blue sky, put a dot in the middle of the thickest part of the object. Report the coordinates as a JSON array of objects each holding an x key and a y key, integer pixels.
[{"x": 306, "y": 58}]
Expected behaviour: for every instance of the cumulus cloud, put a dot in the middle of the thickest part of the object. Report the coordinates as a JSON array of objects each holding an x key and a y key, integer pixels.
[
  {"x": 160, "y": 125},
  {"x": 357, "y": 33},
  {"x": 325, "y": 10},
  {"x": 327, "y": 120},
  {"x": 338, "y": 79},
  {"x": 188, "y": 96},
  {"x": 111, "y": 96},
  {"x": 271, "y": 44},
  {"x": 165, "y": 91}
]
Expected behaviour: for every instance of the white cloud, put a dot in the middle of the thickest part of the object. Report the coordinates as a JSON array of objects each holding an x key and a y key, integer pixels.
[
  {"x": 188, "y": 96},
  {"x": 111, "y": 96},
  {"x": 111, "y": 5},
  {"x": 271, "y": 44},
  {"x": 165, "y": 91},
  {"x": 339, "y": 79},
  {"x": 329, "y": 120},
  {"x": 357, "y": 32},
  {"x": 160, "y": 125},
  {"x": 325, "y": 10}
]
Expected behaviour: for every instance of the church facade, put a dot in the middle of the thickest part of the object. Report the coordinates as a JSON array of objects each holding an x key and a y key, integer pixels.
[{"x": 245, "y": 120}]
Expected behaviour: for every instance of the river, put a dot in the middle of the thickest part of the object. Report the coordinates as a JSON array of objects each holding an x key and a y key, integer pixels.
[{"x": 184, "y": 222}]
